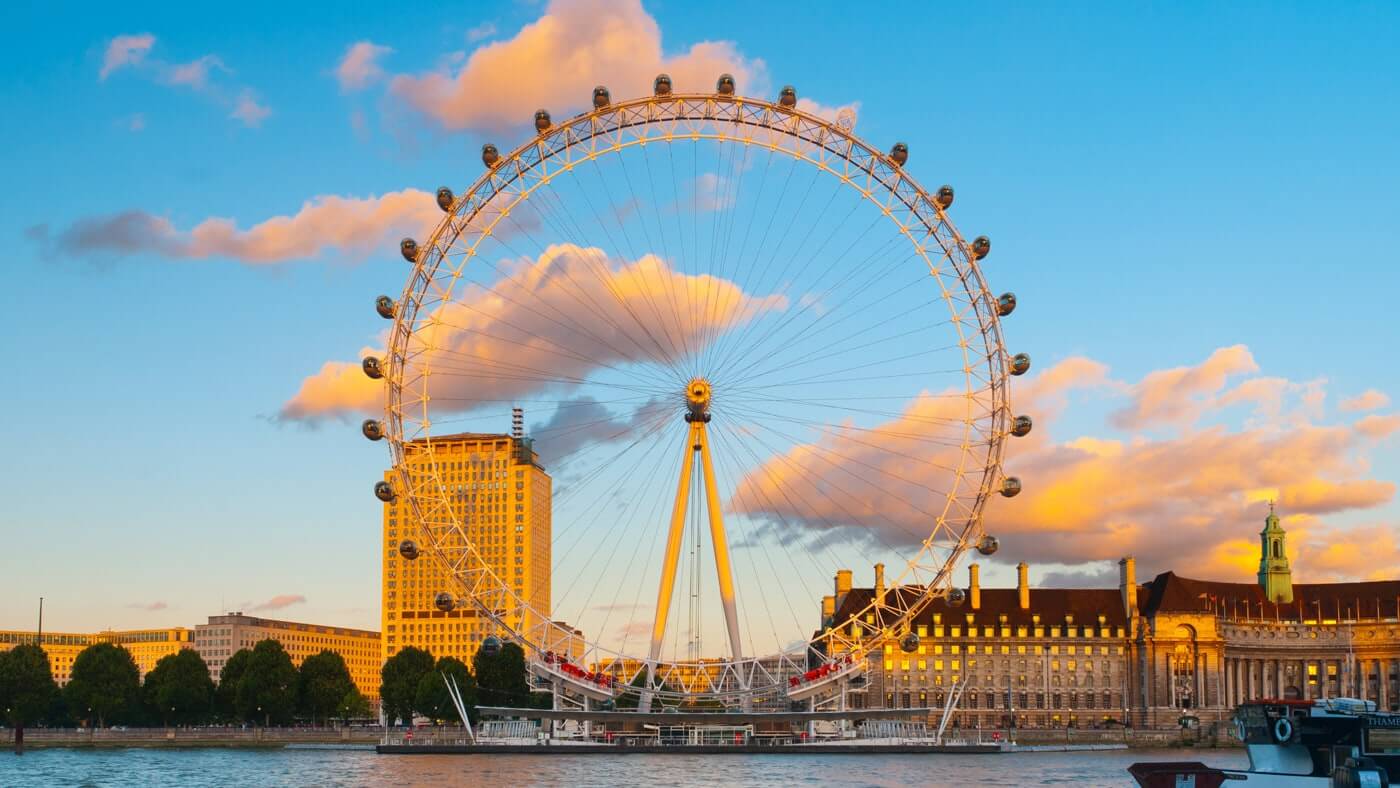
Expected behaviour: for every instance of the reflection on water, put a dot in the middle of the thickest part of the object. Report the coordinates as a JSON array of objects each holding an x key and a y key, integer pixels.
[{"x": 153, "y": 768}]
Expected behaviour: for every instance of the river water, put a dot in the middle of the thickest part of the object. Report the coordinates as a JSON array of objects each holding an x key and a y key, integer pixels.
[{"x": 152, "y": 768}]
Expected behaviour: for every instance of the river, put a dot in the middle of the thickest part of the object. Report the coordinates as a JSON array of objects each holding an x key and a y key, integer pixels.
[{"x": 153, "y": 768}]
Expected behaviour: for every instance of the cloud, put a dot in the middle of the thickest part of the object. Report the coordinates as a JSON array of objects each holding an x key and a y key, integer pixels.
[
  {"x": 1176, "y": 396},
  {"x": 830, "y": 113},
  {"x": 555, "y": 61},
  {"x": 480, "y": 32},
  {"x": 136, "y": 122},
  {"x": 359, "y": 68},
  {"x": 583, "y": 421},
  {"x": 1376, "y": 426},
  {"x": 353, "y": 226},
  {"x": 279, "y": 602},
  {"x": 543, "y": 327},
  {"x": 152, "y": 606},
  {"x": 1087, "y": 577},
  {"x": 248, "y": 110},
  {"x": 198, "y": 75},
  {"x": 1370, "y": 399},
  {"x": 125, "y": 50},
  {"x": 194, "y": 74},
  {"x": 1191, "y": 498}
]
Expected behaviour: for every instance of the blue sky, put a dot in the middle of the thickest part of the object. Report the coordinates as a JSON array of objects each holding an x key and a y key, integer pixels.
[{"x": 1161, "y": 181}]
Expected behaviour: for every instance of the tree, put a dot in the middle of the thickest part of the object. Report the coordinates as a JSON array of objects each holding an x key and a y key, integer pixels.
[
  {"x": 353, "y": 706},
  {"x": 229, "y": 677},
  {"x": 105, "y": 684},
  {"x": 267, "y": 690},
  {"x": 323, "y": 682},
  {"x": 399, "y": 682},
  {"x": 501, "y": 678},
  {"x": 432, "y": 698},
  {"x": 179, "y": 688},
  {"x": 27, "y": 688}
]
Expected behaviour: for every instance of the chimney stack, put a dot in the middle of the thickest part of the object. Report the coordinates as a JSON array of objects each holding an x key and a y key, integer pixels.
[
  {"x": 1127, "y": 585},
  {"x": 974, "y": 586},
  {"x": 517, "y": 423},
  {"x": 880, "y": 582},
  {"x": 828, "y": 609},
  {"x": 1023, "y": 586}
]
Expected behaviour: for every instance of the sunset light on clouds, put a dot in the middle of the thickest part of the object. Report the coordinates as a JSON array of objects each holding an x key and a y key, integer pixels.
[{"x": 203, "y": 214}]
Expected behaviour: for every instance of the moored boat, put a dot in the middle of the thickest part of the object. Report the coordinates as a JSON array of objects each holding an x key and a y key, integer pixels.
[{"x": 1339, "y": 742}]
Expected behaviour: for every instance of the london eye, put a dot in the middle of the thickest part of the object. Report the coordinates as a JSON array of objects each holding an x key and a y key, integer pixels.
[{"x": 755, "y": 351}]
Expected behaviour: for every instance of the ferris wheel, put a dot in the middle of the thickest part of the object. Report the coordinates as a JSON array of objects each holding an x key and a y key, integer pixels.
[{"x": 756, "y": 352}]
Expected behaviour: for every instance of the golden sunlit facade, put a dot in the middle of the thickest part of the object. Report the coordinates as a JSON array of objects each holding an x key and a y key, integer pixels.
[
  {"x": 147, "y": 646},
  {"x": 502, "y": 495},
  {"x": 224, "y": 635}
]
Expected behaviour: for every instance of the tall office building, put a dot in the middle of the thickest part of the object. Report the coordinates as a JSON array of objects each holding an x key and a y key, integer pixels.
[{"x": 502, "y": 496}]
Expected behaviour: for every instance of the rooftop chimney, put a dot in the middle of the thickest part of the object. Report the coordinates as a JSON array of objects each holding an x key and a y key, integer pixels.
[
  {"x": 1127, "y": 585},
  {"x": 1023, "y": 586},
  {"x": 879, "y": 582},
  {"x": 828, "y": 609},
  {"x": 974, "y": 586},
  {"x": 517, "y": 423}
]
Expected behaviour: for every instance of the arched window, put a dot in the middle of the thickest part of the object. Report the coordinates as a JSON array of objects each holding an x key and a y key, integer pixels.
[{"x": 1277, "y": 549}]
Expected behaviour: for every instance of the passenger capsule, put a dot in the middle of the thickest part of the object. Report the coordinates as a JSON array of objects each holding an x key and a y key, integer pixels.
[
  {"x": 787, "y": 97},
  {"x": 662, "y": 85},
  {"x": 1010, "y": 487},
  {"x": 491, "y": 646},
  {"x": 542, "y": 121},
  {"x": 909, "y": 643},
  {"x": 384, "y": 492},
  {"x": 409, "y": 249},
  {"x": 1020, "y": 364},
  {"x": 384, "y": 305},
  {"x": 900, "y": 153},
  {"x": 957, "y": 597},
  {"x": 1006, "y": 304},
  {"x": 988, "y": 544},
  {"x": 944, "y": 196},
  {"x": 370, "y": 365},
  {"x": 374, "y": 430},
  {"x": 725, "y": 85},
  {"x": 601, "y": 97},
  {"x": 408, "y": 550},
  {"x": 489, "y": 155},
  {"x": 444, "y": 601},
  {"x": 1021, "y": 426},
  {"x": 981, "y": 246},
  {"x": 445, "y": 198}
]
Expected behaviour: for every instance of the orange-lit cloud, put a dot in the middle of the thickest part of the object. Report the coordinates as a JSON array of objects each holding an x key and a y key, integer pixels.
[
  {"x": 280, "y": 601},
  {"x": 555, "y": 61},
  {"x": 356, "y": 227},
  {"x": 1370, "y": 399},
  {"x": 359, "y": 68},
  {"x": 547, "y": 325},
  {"x": 1377, "y": 426},
  {"x": 248, "y": 110},
  {"x": 1188, "y": 497}
]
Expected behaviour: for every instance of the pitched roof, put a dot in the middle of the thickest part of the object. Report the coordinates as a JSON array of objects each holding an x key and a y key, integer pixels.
[
  {"x": 1369, "y": 599},
  {"x": 1052, "y": 605}
]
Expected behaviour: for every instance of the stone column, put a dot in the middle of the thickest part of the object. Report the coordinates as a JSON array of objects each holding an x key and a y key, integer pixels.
[
  {"x": 1365, "y": 678},
  {"x": 1278, "y": 677},
  {"x": 1383, "y": 677},
  {"x": 1251, "y": 692},
  {"x": 1229, "y": 680}
]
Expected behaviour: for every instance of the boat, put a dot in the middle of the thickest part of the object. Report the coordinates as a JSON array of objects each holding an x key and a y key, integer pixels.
[{"x": 1341, "y": 742}]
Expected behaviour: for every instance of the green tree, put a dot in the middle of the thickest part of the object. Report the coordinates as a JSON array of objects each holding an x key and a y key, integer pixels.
[
  {"x": 27, "y": 688},
  {"x": 229, "y": 677},
  {"x": 267, "y": 690},
  {"x": 179, "y": 689},
  {"x": 323, "y": 681},
  {"x": 432, "y": 698},
  {"x": 105, "y": 685},
  {"x": 353, "y": 706},
  {"x": 629, "y": 700},
  {"x": 501, "y": 679},
  {"x": 399, "y": 682}
]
